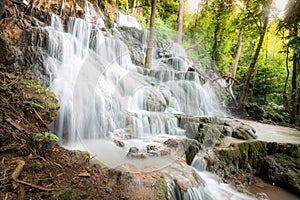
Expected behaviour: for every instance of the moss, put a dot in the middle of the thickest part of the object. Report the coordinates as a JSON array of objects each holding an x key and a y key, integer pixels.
[
  {"x": 191, "y": 147},
  {"x": 251, "y": 153},
  {"x": 41, "y": 96},
  {"x": 72, "y": 194},
  {"x": 161, "y": 190},
  {"x": 241, "y": 134},
  {"x": 85, "y": 156},
  {"x": 285, "y": 148},
  {"x": 231, "y": 156}
]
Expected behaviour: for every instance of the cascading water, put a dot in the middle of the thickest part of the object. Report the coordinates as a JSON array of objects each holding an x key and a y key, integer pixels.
[{"x": 102, "y": 94}]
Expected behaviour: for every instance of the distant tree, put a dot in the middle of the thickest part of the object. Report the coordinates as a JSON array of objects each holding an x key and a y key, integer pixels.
[
  {"x": 291, "y": 22},
  {"x": 237, "y": 56},
  {"x": 264, "y": 14},
  {"x": 151, "y": 35},
  {"x": 180, "y": 21}
]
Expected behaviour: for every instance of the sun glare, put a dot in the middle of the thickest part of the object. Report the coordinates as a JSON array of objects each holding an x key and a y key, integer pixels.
[{"x": 280, "y": 5}]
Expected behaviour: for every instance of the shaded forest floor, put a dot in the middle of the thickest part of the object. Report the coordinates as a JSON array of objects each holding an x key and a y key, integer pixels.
[{"x": 34, "y": 168}]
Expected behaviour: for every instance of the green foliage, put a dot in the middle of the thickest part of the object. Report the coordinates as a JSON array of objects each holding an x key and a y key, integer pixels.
[
  {"x": 216, "y": 26},
  {"x": 30, "y": 105},
  {"x": 46, "y": 137}
]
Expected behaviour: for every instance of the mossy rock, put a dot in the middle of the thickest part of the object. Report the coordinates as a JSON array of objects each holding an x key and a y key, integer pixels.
[
  {"x": 72, "y": 194},
  {"x": 282, "y": 170},
  {"x": 161, "y": 190},
  {"x": 241, "y": 134},
  {"x": 41, "y": 99},
  {"x": 192, "y": 147},
  {"x": 292, "y": 150}
]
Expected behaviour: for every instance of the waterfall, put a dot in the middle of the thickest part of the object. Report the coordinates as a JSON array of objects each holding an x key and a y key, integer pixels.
[
  {"x": 104, "y": 96},
  {"x": 100, "y": 90}
]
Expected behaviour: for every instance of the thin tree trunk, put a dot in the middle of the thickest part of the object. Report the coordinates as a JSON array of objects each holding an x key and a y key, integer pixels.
[
  {"x": 134, "y": 6},
  {"x": 294, "y": 89},
  {"x": 285, "y": 99},
  {"x": 253, "y": 62},
  {"x": 180, "y": 21},
  {"x": 215, "y": 45},
  {"x": 237, "y": 56},
  {"x": 151, "y": 36},
  {"x": 126, "y": 7}
]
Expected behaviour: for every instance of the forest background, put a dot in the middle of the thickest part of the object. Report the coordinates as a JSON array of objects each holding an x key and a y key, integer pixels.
[{"x": 254, "y": 45}]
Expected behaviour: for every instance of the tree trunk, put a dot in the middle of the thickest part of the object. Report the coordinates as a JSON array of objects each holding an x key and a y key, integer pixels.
[
  {"x": 253, "y": 61},
  {"x": 151, "y": 35},
  {"x": 180, "y": 21},
  {"x": 294, "y": 89},
  {"x": 2, "y": 2},
  {"x": 237, "y": 56},
  {"x": 126, "y": 7},
  {"x": 285, "y": 99},
  {"x": 215, "y": 45},
  {"x": 134, "y": 6}
]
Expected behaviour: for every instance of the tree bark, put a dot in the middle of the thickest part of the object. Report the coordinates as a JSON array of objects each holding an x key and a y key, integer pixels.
[
  {"x": 134, "y": 6},
  {"x": 180, "y": 21},
  {"x": 294, "y": 89},
  {"x": 237, "y": 56},
  {"x": 151, "y": 35},
  {"x": 253, "y": 61},
  {"x": 284, "y": 96},
  {"x": 126, "y": 7},
  {"x": 215, "y": 47}
]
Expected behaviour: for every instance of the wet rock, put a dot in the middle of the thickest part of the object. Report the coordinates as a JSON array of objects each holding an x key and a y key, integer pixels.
[
  {"x": 282, "y": 170},
  {"x": 119, "y": 143},
  {"x": 241, "y": 134},
  {"x": 132, "y": 37},
  {"x": 238, "y": 130},
  {"x": 192, "y": 147},
  {"x": 171, "y": 143},
  {"x": 262, "y": 196},
  {"x": 134, "y": 153},
  {"x": 267, "y": 114},
  {"x": 161, "y": 190},
  {"x": 276, "y": 163}
]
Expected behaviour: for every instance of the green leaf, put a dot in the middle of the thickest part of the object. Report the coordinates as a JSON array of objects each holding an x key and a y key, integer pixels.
[
  {"x": 54, "y": 137},
  {"x": 38, "y": 136}
]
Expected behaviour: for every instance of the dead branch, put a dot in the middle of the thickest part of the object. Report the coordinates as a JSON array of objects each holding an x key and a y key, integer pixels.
[
  {"x": 17, "y": 126},
  {"x": 39, "y": 117},
  {"x": 36, "y": 186},
  {"x": 192, "y": 46}
]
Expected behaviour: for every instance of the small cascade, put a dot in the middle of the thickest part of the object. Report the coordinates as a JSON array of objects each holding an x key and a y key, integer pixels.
[
  {"x": 207, "y": 186},
  {"x": 94, "y": 15},
  {"x": 128, "y": 21}
]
